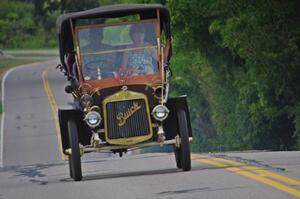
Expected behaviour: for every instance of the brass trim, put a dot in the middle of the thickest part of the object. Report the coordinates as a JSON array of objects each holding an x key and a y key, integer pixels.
[
  {"x": 95, "y": 108},
  {"x": 105, "y": 147},
  {"x": 125, "y": 95},
  {"x": 155, "y": 92},
  {"x": 162, "y": 76},
  {"x": 118, "y": 50},
  {"x": 122, "y": 117}
]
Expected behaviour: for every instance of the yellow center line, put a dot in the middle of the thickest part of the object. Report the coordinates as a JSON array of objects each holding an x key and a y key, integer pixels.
[
  {"x": 261, "y": 171},
  {"x": 54, "y": 109},
  {"x": 253, "y": 176}
]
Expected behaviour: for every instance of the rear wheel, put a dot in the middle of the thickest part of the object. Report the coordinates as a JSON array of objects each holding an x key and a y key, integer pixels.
[
  {"x": 183, "y": 153},
  {"x": 74, "y": 158}
]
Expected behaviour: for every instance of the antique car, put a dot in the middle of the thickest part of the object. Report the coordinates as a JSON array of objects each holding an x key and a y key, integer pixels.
[{"x": 116, "y": 60}]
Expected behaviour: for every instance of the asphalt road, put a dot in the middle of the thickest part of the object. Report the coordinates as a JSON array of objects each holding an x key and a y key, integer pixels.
[{"x": 33, "y": 167}]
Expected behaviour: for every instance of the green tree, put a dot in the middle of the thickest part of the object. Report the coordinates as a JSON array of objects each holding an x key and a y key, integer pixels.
[
  {"x": 16, "y": 24},
  {"x": 251, "y": 53}
]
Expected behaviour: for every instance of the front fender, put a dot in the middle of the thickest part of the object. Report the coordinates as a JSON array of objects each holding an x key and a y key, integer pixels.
[
  {"x": 84, "y": 132},
  {"x": 170, "y": 124}
]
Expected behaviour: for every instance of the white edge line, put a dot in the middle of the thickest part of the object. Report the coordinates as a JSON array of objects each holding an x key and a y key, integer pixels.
[
  {"x": 3, "y": 107},
  {"x": 1, "y": 140},
  {"x": 3, "y": 114}
]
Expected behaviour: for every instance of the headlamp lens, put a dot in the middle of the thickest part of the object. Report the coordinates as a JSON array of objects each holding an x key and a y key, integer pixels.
[
  {"x": 160, "y": 112},
  {"x": 93, "y": 119}
]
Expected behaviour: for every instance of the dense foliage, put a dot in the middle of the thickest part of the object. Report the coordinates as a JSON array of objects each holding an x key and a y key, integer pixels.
[
  {"x": 238, "y": 60},
  {"x": 248, "y": 62},
  {"x": 31, "y": 23}
]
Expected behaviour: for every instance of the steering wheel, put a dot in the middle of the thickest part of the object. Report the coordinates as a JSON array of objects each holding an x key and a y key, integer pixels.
[{"x": 91, "y": 69}]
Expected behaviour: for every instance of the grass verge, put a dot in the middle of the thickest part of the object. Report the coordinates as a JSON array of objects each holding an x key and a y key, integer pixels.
[{"x": 6, "y": 64}]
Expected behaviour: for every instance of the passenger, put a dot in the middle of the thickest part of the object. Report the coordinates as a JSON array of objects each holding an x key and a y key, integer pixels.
[{"x": 139, "y": 61}]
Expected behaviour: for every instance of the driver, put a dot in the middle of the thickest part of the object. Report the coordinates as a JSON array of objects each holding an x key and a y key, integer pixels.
[
  {"x": 98, "y": 64},
  {"x": 95, "y": 37}
]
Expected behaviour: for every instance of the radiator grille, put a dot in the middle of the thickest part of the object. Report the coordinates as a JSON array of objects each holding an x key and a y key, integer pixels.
[{"x": 127, "y": 119}]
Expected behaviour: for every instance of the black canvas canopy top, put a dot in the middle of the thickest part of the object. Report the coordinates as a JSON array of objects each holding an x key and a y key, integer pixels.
[{"x": 146, "y": 11}]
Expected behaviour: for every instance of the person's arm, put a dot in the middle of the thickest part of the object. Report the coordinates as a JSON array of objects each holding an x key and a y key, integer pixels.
[
  {"x": 124, "y": 64},
  {"x": 153, "y": 53}
]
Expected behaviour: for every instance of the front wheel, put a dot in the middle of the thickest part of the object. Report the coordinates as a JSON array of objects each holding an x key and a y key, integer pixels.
[
  {"x": 183, "y": 153},
  {"x": 177, "y": 156},
  {"x": 74, "y": 158}
]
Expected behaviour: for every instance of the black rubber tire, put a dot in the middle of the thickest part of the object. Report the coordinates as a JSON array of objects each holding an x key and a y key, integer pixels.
[
  {"x": 70, "y": 166},
  {"x": 177, "y": 157},
  {"x": 74, "y": 158},
  {"x": 183, "y": 153}
]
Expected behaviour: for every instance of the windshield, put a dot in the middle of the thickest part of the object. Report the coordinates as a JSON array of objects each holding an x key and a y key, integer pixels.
[{"x": 112, "y": 51}]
